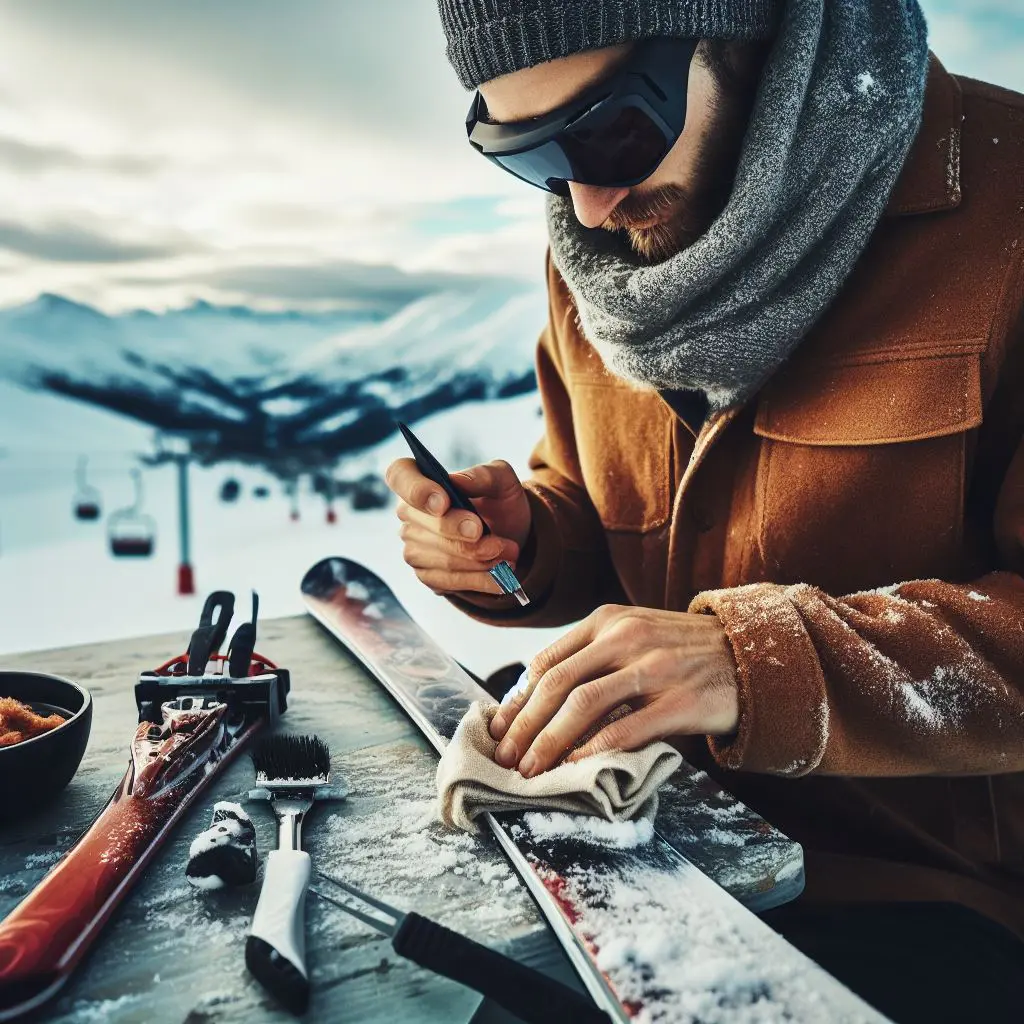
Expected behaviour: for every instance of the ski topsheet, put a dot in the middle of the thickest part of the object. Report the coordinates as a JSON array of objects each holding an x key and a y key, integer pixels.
[{"x": 651, "y": 935}]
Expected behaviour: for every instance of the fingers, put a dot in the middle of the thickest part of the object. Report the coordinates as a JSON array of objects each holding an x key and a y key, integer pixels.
[
  {"x": 405, "y": 479},
  {"x": 628, "y": 733},
  {"x": 494, "y": 479},
  {"x": 455, "y": 524},
  {"x": 548, "y": 696},
  {"x": 445, "y": 581},
  {"x": 585, "y": 705},
  {"x": 554, "y": 654},
  {"x": 445, "y": 565},
  {"x": 426, "y": 550},
  {"x": 572, "y": 642}
]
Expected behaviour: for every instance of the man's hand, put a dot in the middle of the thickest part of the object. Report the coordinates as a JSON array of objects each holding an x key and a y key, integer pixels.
[
  {"x": 674, "y": 669},
  {"x": 446, "y": 546}
]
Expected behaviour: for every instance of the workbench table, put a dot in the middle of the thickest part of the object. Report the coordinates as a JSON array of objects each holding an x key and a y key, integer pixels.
[{"x": 174, "y": 953}]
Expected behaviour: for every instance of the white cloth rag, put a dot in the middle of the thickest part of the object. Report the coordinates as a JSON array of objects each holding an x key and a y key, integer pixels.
[{"x": 618, "y": 785}]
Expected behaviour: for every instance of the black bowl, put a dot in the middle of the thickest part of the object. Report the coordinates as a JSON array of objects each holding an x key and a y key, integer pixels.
[{"x": 34, "y": 771}]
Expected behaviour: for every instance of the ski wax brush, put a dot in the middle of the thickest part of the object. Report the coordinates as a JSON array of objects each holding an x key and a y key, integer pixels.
[
  {"x": 502, "y": 573},
  {"x": 291, "y": 772}
]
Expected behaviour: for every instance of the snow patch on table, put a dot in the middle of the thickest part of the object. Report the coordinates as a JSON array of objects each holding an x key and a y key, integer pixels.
[
  {"x": 621, "y": 835},
  {"x": 386, "y": 840},
  {"x": 85, "y": 1012}
]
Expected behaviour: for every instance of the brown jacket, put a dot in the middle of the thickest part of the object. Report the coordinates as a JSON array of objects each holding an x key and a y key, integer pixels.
[{"x": 858, "y": 528}]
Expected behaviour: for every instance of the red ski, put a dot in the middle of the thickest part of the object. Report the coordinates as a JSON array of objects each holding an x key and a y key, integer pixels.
[{"x": 195, "y": 715}]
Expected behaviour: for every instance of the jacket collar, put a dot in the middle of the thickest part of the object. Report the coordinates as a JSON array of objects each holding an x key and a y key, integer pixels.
[{"x": 930, "y": 179}]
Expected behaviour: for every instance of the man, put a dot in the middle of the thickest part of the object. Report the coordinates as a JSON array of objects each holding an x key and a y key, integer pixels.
[{"x": 782, "y": 477}]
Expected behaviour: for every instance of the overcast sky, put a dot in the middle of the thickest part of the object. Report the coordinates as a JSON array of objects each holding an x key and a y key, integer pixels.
[{"x": 157, "y": 151}]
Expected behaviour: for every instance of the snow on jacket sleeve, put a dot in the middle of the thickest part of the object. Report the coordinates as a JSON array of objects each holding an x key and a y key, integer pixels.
[
  {"x": 564, "y": 566},
  {"x": 924, "y": 677}
]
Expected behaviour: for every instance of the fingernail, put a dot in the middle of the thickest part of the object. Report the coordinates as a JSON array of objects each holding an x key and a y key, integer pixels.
[
  {"x": 435, "y": 502},
  {"x": 468, "y": 528},
  {"x": 499, "y": 726},
  {"x": 506, "y": 755},
  {"x": 527, "y": 765}
]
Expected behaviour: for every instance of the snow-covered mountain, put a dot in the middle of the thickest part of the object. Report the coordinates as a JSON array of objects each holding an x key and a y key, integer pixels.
[{"x": 287, "y": 390}]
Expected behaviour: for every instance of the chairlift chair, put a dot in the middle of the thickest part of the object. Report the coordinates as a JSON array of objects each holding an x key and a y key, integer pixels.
[
  {"x": 230, "y": 490},
  {"x": 132, "y": 532},
  {"x": 87, "y": 501}
]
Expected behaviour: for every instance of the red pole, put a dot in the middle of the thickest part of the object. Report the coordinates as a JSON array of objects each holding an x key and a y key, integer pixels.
[{"x": 186, "y": 578}]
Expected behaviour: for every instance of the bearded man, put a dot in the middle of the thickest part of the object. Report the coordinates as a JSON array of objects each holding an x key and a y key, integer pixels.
[{"x": 781, "y": 482}]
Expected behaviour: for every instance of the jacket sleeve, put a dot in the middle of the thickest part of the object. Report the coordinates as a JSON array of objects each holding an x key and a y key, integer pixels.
[
  {"x": 564, "y": 567},
  {"x": 924, "y": 677}
]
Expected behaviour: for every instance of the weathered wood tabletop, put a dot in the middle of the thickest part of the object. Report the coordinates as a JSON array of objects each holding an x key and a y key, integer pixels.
[{"x": 174, "y": 953}]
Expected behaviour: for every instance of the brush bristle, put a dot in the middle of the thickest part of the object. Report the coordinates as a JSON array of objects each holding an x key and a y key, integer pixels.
[{"x": 291, "y": 757}]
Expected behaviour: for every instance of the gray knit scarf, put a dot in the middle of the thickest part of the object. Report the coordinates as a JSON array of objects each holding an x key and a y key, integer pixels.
[{"x": 836, "y": 112}]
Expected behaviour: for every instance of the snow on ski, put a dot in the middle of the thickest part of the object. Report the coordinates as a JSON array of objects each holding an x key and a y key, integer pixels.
[{"x": 653, "y": 938}]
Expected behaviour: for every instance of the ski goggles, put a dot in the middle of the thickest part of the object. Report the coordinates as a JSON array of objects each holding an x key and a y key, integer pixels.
[{"x": 615, "y": 134}]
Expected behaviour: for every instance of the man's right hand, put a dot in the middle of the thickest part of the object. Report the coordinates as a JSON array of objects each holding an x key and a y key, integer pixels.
[{"x": 444, "y": 545}]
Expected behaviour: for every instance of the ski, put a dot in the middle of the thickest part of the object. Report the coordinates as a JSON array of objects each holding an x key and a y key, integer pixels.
[{"x": 657, "y": 930}]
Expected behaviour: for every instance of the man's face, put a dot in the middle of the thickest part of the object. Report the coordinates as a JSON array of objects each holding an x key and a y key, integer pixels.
[{"x": 677, "y": 203}]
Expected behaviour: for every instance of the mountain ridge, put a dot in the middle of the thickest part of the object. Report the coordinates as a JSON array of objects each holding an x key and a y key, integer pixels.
[{"x": 280, "y": 388}]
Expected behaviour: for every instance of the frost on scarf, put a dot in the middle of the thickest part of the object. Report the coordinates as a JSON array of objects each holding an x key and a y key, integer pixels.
[{"x": 837, "y": 110}]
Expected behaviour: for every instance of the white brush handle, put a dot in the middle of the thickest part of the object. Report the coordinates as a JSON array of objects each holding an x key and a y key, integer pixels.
[{"x": 279, "y": 923}]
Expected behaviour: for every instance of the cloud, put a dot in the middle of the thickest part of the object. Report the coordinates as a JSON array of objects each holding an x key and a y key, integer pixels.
[
  {"x": 36, "y": 158},
  {"x": 339, "y": 283},
  {"x": 70, "y": 243},
  {"x": 376, "y": 66},
  {"x": 263, "y": 148}
]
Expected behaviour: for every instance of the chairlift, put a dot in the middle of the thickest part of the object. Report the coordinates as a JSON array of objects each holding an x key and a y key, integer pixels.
[
  {"x": 230, "y": 490},
  {"x": 131, "y": 532},
  {"x": 370, "y": 492},
  {"x": 87, "y": 501}
]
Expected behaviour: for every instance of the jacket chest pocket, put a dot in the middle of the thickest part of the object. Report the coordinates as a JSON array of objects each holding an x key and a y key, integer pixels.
[
  {"x": 860, "y": 480},
  {"x": 622, "y": 439}
]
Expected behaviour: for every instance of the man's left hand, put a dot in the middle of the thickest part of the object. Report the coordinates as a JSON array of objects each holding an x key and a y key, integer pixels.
[{"x": 675, "y": 670}]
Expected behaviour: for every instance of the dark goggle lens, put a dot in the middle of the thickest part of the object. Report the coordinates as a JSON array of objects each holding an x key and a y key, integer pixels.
[
  {"x": 543, "y": 166},
  {"x": 621, "y": 148}
]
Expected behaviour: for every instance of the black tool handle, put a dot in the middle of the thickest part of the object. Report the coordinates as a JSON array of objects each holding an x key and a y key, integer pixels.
[
  {"x": 243, "y": 643},
  {"x": 434, "y": 471},
  {"x": 521, "y": 990},
  {"x": 210, "y": 634}
]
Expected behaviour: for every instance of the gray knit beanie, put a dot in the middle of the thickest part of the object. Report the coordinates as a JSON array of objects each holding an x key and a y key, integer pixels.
[{"x": 488, "y": 38}]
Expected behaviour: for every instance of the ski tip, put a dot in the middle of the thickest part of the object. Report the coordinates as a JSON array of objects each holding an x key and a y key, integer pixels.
[{"x": 292, "y": 759}]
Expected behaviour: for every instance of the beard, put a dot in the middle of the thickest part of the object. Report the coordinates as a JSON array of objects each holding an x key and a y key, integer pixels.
[
  {"x": 679, "y": 221},
  {"x": 682, "y": 215}
]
